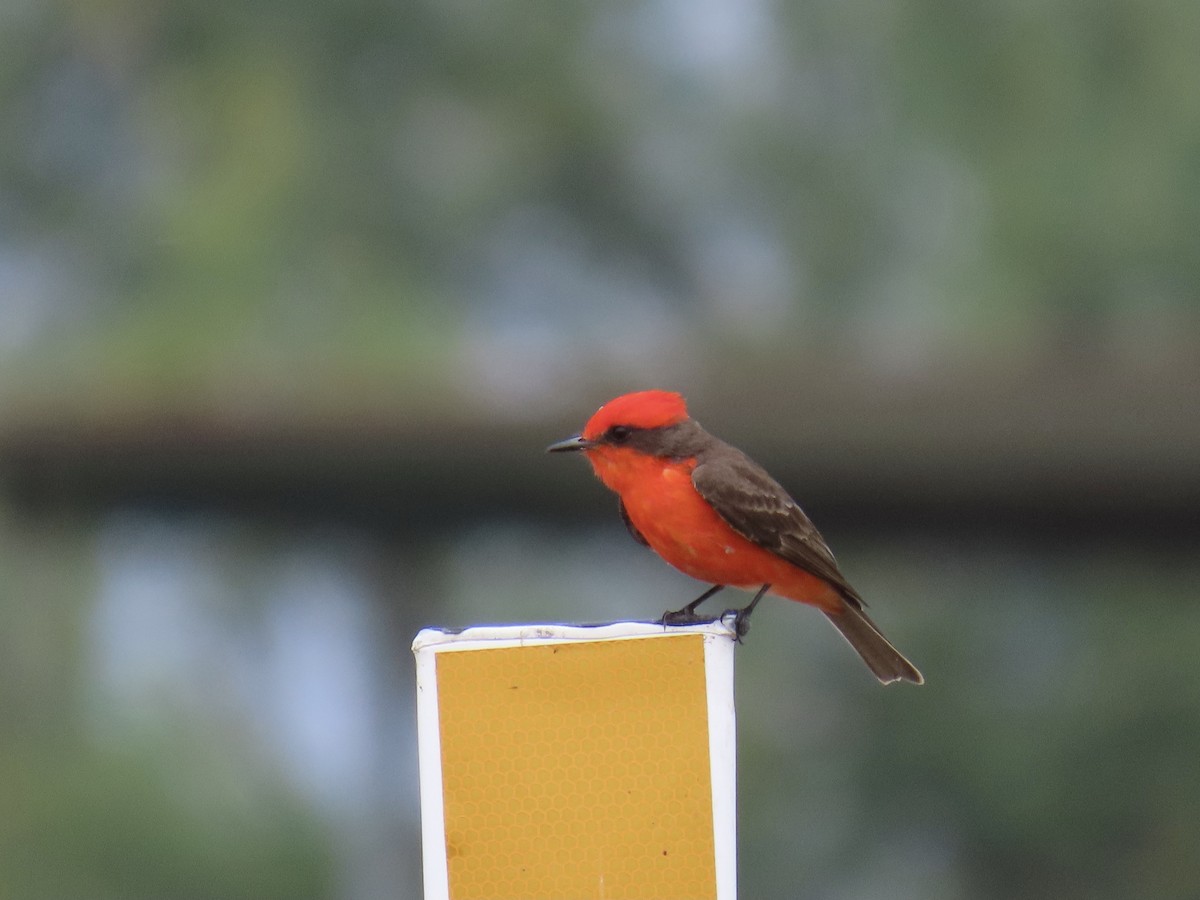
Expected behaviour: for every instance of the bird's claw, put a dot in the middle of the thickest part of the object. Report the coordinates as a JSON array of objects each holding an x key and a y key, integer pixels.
[
  {"x": 740, "y": 623},
  {"x": 685, "y": 617},
  {"x": 738, "y": 619}
]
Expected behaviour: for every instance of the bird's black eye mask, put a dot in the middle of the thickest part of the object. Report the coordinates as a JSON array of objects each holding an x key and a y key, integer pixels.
[
  {"x": 618, "y": 435},
  {"x": 679, "y": 441}
]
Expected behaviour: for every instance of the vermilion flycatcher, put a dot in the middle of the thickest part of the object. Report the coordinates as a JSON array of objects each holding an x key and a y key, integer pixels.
[{"x": 714, "y": 514}]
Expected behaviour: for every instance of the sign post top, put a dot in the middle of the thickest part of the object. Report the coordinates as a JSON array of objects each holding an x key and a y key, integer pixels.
[{"x": 448, "y": 638}]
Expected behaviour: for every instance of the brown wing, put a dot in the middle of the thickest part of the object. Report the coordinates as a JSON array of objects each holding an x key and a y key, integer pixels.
[{"x": 758, "y": 509}]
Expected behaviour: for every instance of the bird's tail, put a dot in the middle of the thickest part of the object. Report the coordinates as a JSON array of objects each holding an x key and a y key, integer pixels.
[{"x": 877, "y": 652}]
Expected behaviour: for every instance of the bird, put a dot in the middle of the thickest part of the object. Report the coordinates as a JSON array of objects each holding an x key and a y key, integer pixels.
[{"x": 716, "y": 515}]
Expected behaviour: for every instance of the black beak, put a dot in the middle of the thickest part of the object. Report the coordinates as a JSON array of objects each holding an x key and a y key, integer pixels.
[{"x": 569, "y": 445}]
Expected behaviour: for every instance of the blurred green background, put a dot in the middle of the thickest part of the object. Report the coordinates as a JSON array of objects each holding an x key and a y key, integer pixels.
[{"x": 293, "y": 295}]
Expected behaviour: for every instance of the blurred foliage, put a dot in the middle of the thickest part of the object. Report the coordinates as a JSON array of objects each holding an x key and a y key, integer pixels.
[
  {"x": 203, "y": 195},
  {"x": 104, "y": 800}
]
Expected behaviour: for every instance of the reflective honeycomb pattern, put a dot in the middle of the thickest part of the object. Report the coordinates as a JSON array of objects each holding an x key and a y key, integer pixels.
[{"x": 577, "y": 769}]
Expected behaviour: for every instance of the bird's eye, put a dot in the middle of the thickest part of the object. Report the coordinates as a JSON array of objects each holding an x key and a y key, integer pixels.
[{"x": 619, "y": 434}]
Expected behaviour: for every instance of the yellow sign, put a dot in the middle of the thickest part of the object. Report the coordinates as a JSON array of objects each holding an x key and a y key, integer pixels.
[{"x": 578, "y": 763}]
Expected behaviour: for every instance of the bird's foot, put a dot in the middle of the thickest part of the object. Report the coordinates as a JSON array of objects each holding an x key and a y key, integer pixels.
[
  {"x": 741, "y": 621},
  {"x": 686, "y": 616},
  {"x": 741, "y": 617}
]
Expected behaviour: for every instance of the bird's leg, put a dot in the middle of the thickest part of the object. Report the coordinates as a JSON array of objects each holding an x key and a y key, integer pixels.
[
  {"x": 741, "y": 617},
  {"x": 688, "y": 615}
]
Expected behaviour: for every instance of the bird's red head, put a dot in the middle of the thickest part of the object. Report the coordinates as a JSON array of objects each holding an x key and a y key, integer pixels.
[
  {"x": 606, "y": 439},
  {"x": 642, "y": 409}
]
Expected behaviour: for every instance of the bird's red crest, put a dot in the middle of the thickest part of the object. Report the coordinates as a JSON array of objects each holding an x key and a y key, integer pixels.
[{"x": 643, "y": 409}]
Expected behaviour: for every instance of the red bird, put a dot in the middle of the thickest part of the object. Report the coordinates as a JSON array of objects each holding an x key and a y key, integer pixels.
[{"x": 714, "y": 514}]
